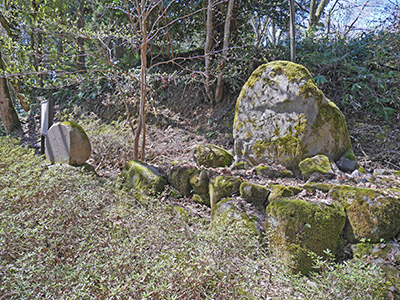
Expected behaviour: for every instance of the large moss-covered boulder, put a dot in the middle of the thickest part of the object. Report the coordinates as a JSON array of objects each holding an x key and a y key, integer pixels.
[
  {"x": 179, "y": 177},
  {"x": 373, "y": 214},
  {"x": 144, "y": 179},
  {"x": 67, "y": 142},
  {"x": 212, "y": 156},
  {"x": 255, "y": 194},
  {"x": 222, "y": 187},
  {"x": 316, "y": 164},
  {"x": 298, "y": 227},
  {"x": 282, "y": 117}
]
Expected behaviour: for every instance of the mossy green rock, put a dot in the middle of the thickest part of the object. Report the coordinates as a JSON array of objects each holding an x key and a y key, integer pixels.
[
  {"x": 179, "y": 177},
  {"x": 298, "y": 227},
  {"x": 313, "y": 186},
  {"x": 316, "y": 164},
  {"x": 255, "y": 194},
  {"x": 272, "y": 171},
  {"x": 199, "y": 182},
  {"x": 282, "y": 117},
  {"x": 280, "y": 191},
  {"x": 373, "y": 214},
  {"x": 212, "y": 156},
  {"x": 226, "y": 213},
  {"x": 222, "y": 187},
  {"x": 142, "y": 178}
]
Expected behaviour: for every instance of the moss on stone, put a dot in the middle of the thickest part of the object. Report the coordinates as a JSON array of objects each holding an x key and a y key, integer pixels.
[
  {"x": 241, "y": 165},
  {"x": 226, "y": 213},
  {"x": 212, "y": 156},
  {"x": 311, "y": 165},
  {"x": 200, "y": 184},
  {"x": 263, "y": 170},
  {"x": 255, "y": 194},
  {"x": 362, "y": 170},
  {"x": 373, "y": 214},
  {"x": 293, "y": 145},
  {"x": 222, "y": 187},
  {"x": 74, "y": 125},
  {"x": 293, "y": 71},
  {"x": 142, "y": 178},
  {"x": 179, "y": 177},
  {"x": 350, "y": 155},
  {"x": 299, "y": 227},
  {"x": 280, "y": 191},
  {"x": 312, "y": 186}
]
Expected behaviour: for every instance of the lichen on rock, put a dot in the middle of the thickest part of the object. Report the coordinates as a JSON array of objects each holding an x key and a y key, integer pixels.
[
  {"x": 316, "y": 164},
  {"x": 373, "y": 214},
  {"x": 282, "y": 117},
  {"x": 255, "y": 194},
  {"x": 142, "y": 178},
  {"x": 212, "y": 156},
  {"x": 222, "y": 187},
  {"x": 298, "y": 227},
  {"x": 280, "y": 191},
  {"x": 179, "y": 177},
  {"x": 199, "y": 182},
  {"x": 227, "y": 212}
]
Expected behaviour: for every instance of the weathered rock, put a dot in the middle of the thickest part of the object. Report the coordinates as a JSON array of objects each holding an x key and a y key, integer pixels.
[
  {"x": 200, "y": 185},
  {"x": 316, "y": 164},
  {"x": 255, "y": 194},
  {"x": 389, "y": 251},
  {"x": 222, "y": 187},
  {"x": 298, "y": 227},
  {"x": 348, "y": 162},
  {"x": 241, "y": 165},
  {"x": 372, "y": 214},
  {"x": 67, "y": 142},
  {"x": 313, "y": 186},
  {"x": 273, "y": 171},
  {"x": 179, "y": 177},
  {"x": 282, "y": 117},
  {"x": 212, "y": 156},
  {"x": 280, "y": 191},
  {"x": 142, "y": 178},
  {"x": 233, "y": 211}
]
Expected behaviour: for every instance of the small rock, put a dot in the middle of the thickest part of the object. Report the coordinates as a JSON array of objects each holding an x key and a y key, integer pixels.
[
  {"x": 316, "y": 164},
  {"x": 347, "y": 163}
]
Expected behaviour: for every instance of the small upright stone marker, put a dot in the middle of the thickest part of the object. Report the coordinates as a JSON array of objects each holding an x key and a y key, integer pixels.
[{"x": 67, "y": 142}]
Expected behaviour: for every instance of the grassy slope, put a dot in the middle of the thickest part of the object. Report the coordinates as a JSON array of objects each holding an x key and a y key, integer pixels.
[{"x": 67, "y": 234}]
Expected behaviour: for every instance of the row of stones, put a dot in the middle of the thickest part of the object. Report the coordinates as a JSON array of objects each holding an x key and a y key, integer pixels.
[{"x": 299, "y": 226}]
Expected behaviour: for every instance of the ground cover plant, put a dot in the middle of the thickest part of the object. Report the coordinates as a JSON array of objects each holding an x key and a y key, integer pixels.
[{"x": 66, "y": 233}]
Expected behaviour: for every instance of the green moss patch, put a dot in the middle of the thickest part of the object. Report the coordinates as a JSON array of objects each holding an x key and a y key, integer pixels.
[
  {"x": 222, "y": 187},
  {"x": 373, "y": 214},
  {"x": 298, "y": 227},
  {"x": 316, "y": 164},
  {"x": 142, "y": 178},
  {"x": 212, "y": 156}
]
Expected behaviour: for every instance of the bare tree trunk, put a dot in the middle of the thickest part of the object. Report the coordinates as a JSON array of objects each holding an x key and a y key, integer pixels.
[
  {"x": 313, "y": 8},
  {"x": 219, "y": 93},
  {"x": 292, "y": 31},
  {"x": 8, "y": 114},
  {"x": 81, "y": 61},
  {"x": 143, "y": 89},
  {"x": 207, "y": 50},
  {"x": 316, "y": 13},
  {"x": 36, "y": 42}
]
